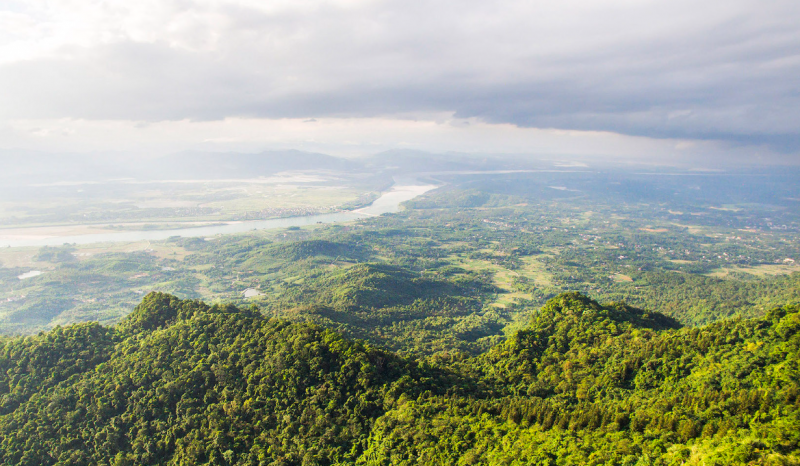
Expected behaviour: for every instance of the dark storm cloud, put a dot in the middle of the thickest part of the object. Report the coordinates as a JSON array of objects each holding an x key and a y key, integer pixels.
[{"x": 726, "y": 70}]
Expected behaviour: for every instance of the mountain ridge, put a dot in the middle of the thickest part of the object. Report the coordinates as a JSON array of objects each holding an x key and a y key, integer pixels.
[{"x": 184, "y": 382}]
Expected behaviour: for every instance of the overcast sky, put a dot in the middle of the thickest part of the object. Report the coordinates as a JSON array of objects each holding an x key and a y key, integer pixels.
[{"x": 635, "y": 78}]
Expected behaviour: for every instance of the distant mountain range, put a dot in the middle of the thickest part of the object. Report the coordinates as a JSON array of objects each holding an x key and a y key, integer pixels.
[{"x": 26, "y": 167}]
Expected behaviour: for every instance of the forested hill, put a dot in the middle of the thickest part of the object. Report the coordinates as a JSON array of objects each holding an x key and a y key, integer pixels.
[{"x": 184, "y": 383}]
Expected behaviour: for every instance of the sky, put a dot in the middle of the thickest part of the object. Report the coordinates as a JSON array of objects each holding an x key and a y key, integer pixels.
[{"x": 639, "y": 79}]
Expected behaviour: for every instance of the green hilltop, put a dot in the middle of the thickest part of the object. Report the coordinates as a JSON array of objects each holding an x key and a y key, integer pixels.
[{"x": 180, "y": 382}]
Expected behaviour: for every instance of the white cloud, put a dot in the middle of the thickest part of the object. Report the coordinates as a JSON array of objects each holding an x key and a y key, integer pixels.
[{"x": 718, "y": 69}]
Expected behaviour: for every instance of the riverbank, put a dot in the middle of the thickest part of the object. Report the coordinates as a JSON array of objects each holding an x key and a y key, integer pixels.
[{"x": 388, "y": 202}]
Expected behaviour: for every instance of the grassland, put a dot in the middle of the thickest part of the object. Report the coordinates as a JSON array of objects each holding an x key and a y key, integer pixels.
[
  {"x": 82, "y": 209},
  {"x": 761, "y": 271}
]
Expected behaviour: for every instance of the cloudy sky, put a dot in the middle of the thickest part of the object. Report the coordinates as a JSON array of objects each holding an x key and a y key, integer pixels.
[{"x": 633, "y": 78}]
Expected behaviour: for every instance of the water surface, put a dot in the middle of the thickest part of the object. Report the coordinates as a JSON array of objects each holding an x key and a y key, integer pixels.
[{"x": 388, "y": 202}]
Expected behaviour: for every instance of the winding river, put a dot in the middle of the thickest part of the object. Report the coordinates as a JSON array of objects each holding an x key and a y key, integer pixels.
[{"x": 388, "y": 202}]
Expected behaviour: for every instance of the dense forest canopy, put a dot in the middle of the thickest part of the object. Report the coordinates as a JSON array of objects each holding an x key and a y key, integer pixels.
[
  {"x": 393, "y": 233},
  {"x": 524, "y": 318},
  {"x": 182, "y": 382}
]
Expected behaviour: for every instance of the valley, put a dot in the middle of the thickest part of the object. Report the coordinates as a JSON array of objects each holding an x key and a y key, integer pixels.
[{"x": 460, "y": 324}]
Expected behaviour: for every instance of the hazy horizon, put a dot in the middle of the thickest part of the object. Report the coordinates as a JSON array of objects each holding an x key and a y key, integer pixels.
[{"x": 647, "y": 82}]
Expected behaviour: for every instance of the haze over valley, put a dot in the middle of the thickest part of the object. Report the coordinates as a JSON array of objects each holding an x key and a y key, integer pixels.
[{"x": 371, "y": 232}]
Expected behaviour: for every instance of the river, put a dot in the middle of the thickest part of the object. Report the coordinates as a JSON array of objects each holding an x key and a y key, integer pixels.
[{"x": 389, "y": 202}]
